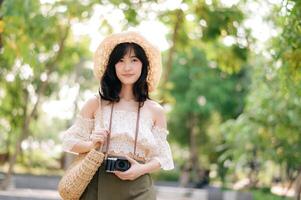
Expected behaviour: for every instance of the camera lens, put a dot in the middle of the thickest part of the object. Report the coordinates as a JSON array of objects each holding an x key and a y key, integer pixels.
[{"x": 122, "y": 165}]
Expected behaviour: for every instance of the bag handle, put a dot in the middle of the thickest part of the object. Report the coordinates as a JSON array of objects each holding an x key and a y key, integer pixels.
[{"x": 110, "y": 128}]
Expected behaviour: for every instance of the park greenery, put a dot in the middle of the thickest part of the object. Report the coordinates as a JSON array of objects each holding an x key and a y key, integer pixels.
[{"x": 234, "y": 109}]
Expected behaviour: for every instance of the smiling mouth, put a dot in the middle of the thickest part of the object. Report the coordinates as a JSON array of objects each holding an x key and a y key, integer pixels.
[{"x": 128, "y": 75}]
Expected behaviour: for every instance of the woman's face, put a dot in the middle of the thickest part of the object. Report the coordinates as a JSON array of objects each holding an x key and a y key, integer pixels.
[{"x": 128, "y": 68}]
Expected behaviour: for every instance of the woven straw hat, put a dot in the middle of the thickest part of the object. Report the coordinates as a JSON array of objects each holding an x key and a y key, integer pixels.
[{"x": 102, "y": 54}]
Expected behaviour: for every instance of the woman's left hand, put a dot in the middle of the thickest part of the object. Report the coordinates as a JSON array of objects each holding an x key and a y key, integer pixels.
[{"x": 133, "y": 172}]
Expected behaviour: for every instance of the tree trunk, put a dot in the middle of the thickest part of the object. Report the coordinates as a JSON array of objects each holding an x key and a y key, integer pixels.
[
  {"x": 191, "y": 167},
  {"x": 193, "y": 146},
  {"x": 185, "y": 174},
  {"x": 253, "y": 174},
  {"x": 197, "y": 171},
  {"x": 8, "y": 141},
  {"x": 175, "y": 35}
]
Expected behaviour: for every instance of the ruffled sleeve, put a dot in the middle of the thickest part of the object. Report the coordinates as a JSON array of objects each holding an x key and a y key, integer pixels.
[
  {"x": 162, "y": 153},
  {"x": 79, "y": 131}
]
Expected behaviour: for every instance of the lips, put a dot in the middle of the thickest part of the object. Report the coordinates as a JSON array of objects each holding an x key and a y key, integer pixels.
[{"x": 127, "y": 75}]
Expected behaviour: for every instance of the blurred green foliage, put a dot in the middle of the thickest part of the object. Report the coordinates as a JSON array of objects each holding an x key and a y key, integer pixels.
[{"x": 269, "y": 128}]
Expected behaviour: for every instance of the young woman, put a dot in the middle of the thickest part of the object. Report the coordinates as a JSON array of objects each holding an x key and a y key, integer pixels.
[{"x": 122, "y": 120}]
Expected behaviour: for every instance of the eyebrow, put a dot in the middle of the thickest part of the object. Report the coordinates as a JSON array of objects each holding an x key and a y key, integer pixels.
[{"x": 132, "y": 57}]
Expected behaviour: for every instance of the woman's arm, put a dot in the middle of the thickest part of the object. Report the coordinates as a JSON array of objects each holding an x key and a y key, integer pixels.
[
  {"x": 86, "y": 116},
  {"x": 159, "y": 118},
  {"x": 86, "y": 112},
  {"x": 160, "y": 132},
  {"x": 82, "y": 147},
  {"x": 151, "y": 166}
]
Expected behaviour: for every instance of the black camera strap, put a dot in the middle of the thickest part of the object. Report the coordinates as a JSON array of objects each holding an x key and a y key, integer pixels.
[{"x": 110, "y": 128}]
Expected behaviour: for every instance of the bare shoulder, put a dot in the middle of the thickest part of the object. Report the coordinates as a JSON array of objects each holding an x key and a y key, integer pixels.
[
  {"x": 154, "y": 106},
  {"x": 158, "y": 113},
  {"x": 89, "y": 107}
]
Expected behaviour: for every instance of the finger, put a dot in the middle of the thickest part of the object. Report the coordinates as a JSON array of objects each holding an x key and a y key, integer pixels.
[
  {"x": 105, "y": 132},
  {"x": 123, "y": 174},
  {"x": 97, "y": 139},
  {"x": 101, "y": 140},
  {"x": 99, "y": 136},
  {"x": 132, "y": 161},
  {"x": 100, "y": 132},
  {"x": 96, "y": 132},
  {"x": 119, "y": 175}
]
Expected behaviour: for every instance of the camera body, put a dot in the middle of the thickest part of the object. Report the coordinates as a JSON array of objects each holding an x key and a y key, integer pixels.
[{"x": 116, "y": 163}]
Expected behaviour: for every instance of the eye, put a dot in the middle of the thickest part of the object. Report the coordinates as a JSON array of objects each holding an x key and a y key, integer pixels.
[
  {"x": 135, "y": 60},
  {"x": 121, "y": 60}
]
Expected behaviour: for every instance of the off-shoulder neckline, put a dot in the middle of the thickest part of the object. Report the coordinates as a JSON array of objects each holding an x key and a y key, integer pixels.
[
  {"x": 121, "y": 111},
  {"x": 154, "y": 127}
]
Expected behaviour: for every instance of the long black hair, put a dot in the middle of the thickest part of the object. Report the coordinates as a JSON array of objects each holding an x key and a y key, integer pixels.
[{"x": 110, "y": 85}]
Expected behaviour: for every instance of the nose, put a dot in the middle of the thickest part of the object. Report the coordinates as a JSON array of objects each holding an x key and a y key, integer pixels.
[{"x": 128, "y": 66}]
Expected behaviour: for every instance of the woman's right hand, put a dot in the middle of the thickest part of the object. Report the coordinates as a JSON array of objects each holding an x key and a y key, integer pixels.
[{"x": 98, "y": 138}]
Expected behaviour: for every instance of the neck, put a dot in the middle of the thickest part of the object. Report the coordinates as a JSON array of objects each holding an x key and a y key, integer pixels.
[{"x": 126, "y": 93}]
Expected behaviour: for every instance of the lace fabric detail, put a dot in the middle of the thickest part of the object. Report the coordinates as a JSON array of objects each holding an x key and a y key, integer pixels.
[
  {"x": 162, "y": 152},
  {"x": 125, "y": 145},
  {"x": 79, "y": 131}
]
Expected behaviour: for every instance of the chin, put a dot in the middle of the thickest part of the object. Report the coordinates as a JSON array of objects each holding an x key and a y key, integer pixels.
[{"x": 127, "y": 82}]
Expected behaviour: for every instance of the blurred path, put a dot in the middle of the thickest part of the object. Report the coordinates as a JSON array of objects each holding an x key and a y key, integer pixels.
[
  {"x": 29, "y": 187},
  {"x": 163, "y": 193}
]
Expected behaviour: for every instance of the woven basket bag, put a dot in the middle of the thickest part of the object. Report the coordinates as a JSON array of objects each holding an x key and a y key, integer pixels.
[{"x": 79, "y": 174}]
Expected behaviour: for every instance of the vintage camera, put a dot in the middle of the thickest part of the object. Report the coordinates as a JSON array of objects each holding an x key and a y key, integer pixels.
[{"x": 114, "y": 163}]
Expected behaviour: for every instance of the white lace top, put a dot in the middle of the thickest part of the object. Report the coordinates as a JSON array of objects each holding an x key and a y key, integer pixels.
[{"x": 151, "y": 142}]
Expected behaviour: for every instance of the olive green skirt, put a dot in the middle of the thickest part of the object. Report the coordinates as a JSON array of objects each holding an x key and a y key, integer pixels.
[{"x": 107, "y": 186}]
